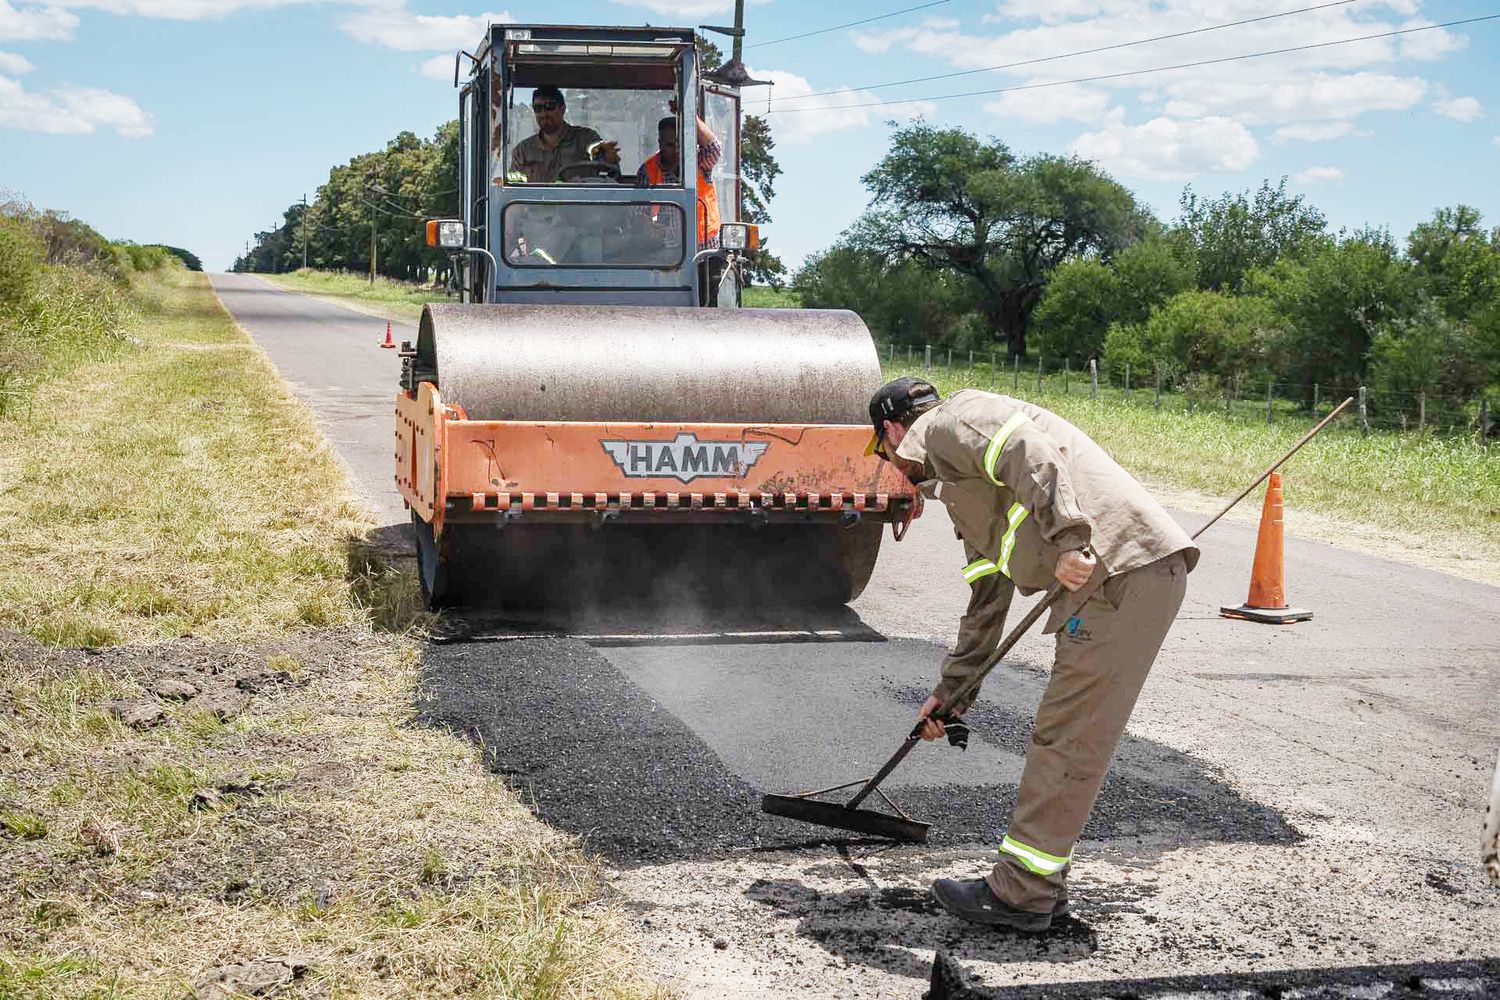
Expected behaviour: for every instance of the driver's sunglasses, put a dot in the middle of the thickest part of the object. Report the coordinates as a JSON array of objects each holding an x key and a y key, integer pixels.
[{"x": 545, "y": 105}]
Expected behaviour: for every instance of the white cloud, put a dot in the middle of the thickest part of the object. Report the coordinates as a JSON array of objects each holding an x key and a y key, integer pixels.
[
  {"x": 685, "y": 8},
  {"x": 1303, "y": 97},
  {"x": 71, "y": 111},
  {"x": 14, "y": 65},
  {"x": 1496, "y": 140},
  {"x": 1169, "y": 148},
  {"x": 400, "y": 29},
  {"x": 1318, "y": 175},
  {"x": 1463, "y": 109},
  {"x": 1313, "y": 131},
  {"x": 1053, "y": 104},
  {"x": 177, "y": 10},
  {"x": 35, "y": 23},
  {"x": 438, "y": 68},
  {"x": 798, "y": 121},
  {"x": 1429, "y": 45}
]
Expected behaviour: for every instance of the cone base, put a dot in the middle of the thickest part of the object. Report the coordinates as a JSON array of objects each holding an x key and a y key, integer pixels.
[{"x": 1267, "y": 616}]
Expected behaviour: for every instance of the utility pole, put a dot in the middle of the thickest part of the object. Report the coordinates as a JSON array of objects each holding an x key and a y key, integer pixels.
[
  {"x": 304, "y": 232},
  {"x": 372, "y": 249}
]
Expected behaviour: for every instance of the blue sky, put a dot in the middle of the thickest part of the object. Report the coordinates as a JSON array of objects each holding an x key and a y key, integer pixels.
[{"x": 196, "y": 122}]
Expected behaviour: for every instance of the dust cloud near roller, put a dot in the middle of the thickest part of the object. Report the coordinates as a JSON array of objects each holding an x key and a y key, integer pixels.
[{"x": 630, "y": 363}]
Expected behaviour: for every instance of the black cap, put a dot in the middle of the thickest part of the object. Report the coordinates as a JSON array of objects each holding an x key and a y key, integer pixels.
[{"x": 895, "y": 400}]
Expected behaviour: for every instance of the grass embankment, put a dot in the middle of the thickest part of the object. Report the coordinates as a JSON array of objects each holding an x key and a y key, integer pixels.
[
  {"x": 172, "y": 809},
  {"x": 1414, "y": 497},
  {"x": 384, "y": 296}
]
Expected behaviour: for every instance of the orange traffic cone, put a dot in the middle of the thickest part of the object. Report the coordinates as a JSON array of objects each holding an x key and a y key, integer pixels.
[
  {"x": 1267, "y": 600},
  {"x": 388, "y": 341}
]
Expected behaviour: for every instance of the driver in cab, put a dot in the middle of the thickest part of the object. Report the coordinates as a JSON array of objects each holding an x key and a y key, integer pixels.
[{"x": 557, "y": 144}]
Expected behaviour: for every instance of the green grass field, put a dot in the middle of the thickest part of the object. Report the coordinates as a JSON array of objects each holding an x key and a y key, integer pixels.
[
  {"x": 176, "y": 488},
  {"x": 397, "y": 299},
  {"x": 1439, "y": 491}
]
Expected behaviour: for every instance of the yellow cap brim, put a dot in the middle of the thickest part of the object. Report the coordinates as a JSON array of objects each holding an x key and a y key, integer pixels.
[{"x": 874, "y": 443}]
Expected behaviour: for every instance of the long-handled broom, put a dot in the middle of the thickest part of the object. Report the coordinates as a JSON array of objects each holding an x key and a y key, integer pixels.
[{"x": 807, "y": 806}]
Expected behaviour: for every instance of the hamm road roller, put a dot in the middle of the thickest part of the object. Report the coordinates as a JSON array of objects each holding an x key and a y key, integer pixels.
[{"x": 597, "y": 418}]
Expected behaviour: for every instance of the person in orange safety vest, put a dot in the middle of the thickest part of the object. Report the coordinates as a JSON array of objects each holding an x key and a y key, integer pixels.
[{"x": 660, "y": 168}]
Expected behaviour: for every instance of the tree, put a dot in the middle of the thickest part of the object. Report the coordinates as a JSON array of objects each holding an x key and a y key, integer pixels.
[
  {"x": 1457, "y": 260},
  {"x": 1331, "y": 303},
  {"x": 1197, "y": 333},
  {"x": 1086, "y": 295},
  {"x": 898, "y": 300},
  {"x": 1235, "y": 233},
  {"x": 1432, "y": 353},
  {"x": 955, "y": 204}
]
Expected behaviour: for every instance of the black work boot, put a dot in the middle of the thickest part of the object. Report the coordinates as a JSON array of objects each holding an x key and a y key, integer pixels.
[{"x": 974, "y": 901}]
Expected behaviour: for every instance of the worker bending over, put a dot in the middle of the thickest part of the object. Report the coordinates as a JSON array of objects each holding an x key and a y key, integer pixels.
[{"x": 1035, "y": 500}]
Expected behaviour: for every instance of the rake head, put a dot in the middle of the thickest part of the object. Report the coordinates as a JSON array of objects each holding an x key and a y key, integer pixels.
[{"x": 834, "y": 814}]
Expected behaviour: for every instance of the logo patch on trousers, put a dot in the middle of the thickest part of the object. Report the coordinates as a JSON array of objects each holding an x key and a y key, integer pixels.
[{"x": 1075, "y": 629}]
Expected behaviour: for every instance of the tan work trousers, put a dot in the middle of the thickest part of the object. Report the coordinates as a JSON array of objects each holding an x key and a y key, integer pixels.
[{"x": 1103, "y": 655}]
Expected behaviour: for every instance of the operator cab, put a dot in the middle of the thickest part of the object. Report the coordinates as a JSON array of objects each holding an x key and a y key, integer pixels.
[{"x": 558, "y": 123}]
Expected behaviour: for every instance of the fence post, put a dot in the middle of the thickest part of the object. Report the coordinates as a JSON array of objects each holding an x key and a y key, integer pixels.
[
  {"x": 1269, "y": 387},
  {"x": 908, "y": 355},
  {"x": 1015, "y": 378},
  {"x": 1093, "y": 378},
  {"x": 949, "y": 365},
  {"x": 1191, "y": 401},
  {"x": 1484, "y": 422},
  {"x": 1038, "y": 374},
  {"x": 971, "y": 362},
  {"x": 1421, "y": 410},
  {"x": 1230, "y": 391},
  {"x": 1127, "y": 381},
  {"x": 993, "y": 374},
  {"x": 1315, "y": 399},
  {"x": 928, "y": 362},
  {"x": 1067, "y": 371},
  {"x": 1364, "y": 414},
  {"x": 890, "y": 354},
  {"x": 1157, "y": 404}
]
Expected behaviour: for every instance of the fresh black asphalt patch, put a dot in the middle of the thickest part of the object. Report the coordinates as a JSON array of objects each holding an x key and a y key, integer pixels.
[{"x": 599, "y": 756}]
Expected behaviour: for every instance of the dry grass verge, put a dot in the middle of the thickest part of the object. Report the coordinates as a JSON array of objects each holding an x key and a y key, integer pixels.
[{"x": 250, "y": 809}]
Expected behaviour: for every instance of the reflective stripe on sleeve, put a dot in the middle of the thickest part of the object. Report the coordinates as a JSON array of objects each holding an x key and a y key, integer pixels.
[
  {"x": 992, "y": 453},
  {"x": 979, "y": 569},
  {"x": 1036, "y": 861},
  {"x": 1008, "y": 543}
]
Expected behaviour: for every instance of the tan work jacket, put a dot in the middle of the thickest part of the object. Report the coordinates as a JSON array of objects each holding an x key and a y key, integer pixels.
[{"x": 1022, "y": 486}]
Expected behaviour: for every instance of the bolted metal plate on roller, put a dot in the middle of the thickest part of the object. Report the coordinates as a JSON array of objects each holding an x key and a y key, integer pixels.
[{"x": 637, "y": 363}]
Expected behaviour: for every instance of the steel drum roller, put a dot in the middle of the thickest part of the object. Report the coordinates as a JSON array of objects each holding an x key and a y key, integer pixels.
[
  {"x": 641, "y": 364},
  {"x": 632, "y": 363}
]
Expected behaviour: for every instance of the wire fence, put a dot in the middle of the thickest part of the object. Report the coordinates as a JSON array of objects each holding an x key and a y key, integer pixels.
[{"x": 1236, "y": 398}]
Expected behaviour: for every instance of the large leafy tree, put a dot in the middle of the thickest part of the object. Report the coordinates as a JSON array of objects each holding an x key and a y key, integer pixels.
[
  {"x": 899, "y": 301},
  {"x": 958, "y": 204},
  {"x": 1237, "y": 232},
  {"x": 1457, "y": 260}
]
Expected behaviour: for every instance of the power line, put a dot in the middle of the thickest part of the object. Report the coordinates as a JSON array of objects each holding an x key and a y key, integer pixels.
[
  {"x": 1138, "y": 72},
  {"x": 851, "y": 24},
  {"x": 1070, "y": 55}
]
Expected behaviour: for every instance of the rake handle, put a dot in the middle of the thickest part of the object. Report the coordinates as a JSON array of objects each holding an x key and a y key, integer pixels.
[{"x": 972, "y": 684}]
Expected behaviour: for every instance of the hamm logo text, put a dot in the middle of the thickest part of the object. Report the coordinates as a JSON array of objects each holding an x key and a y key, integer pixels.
[{"x": 685, "y": 458}]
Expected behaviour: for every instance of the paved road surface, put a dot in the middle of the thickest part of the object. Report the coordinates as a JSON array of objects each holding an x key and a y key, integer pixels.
[{"x": 1299, "y": 797}]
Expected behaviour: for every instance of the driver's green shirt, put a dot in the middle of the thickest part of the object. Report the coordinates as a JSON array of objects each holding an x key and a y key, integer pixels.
[{"x": 541, "y": 165}]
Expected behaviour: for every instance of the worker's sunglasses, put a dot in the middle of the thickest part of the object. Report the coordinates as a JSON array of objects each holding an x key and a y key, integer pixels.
[{"x": 545, "y": 105}]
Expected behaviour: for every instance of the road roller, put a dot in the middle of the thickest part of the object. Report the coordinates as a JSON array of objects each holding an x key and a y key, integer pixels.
[{"x": 597, "y": 418}]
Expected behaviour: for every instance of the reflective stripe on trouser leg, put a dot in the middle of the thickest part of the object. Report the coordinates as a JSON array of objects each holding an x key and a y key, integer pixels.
[
  {"x": 1096, "y": 677},
  {"x": 1033, "y": 858},
  {"x": 979, "y": 569}
]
